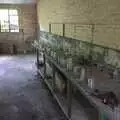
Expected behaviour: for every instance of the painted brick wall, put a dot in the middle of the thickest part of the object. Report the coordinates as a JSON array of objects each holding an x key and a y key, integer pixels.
[
  {"x": 28, "y": 24},
  {"x": 105, "y": 14}
]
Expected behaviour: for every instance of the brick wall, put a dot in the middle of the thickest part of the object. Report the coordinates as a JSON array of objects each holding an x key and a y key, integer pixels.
[
  {"x": 27, "y": 21},
  {"x": 105, "y": 14}
]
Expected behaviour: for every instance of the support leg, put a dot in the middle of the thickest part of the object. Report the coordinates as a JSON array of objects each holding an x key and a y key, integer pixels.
[{"x": 69, "y": 93}]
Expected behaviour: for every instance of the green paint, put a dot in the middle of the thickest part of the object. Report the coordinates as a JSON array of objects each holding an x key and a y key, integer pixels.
[{"x": 103, "y": 116}]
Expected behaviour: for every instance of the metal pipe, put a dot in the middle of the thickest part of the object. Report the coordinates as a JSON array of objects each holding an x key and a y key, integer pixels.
[{"x": 69, "y": 95}]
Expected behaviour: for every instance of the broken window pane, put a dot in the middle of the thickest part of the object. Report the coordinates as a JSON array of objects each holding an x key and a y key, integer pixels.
[{"x": 9, "y": 21}]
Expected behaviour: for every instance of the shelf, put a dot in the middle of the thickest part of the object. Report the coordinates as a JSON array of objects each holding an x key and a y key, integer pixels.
[
  {"x": 53, "y": 94},
  {"x": 96, "y": 103},
  {"x": 85, "y": 91},
  {"x": 76, "y": 107},
  {"x": 68, "y": 76}
]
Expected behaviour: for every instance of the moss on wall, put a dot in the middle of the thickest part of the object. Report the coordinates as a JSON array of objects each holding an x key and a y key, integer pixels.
[{"x": 105, "y": 14}]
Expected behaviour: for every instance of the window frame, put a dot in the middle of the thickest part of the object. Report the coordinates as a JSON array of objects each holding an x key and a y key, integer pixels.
[{"x": 9, "y": 20}]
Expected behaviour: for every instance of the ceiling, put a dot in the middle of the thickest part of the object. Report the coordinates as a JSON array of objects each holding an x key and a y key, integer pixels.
[{"x": 17, "y": 1}]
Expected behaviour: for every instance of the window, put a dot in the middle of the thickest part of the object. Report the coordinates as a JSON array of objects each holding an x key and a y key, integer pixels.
[{"x": 9, "y": 21}]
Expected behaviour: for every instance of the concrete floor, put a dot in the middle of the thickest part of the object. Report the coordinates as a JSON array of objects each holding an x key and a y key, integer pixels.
[{"x": 22, "y": 95}]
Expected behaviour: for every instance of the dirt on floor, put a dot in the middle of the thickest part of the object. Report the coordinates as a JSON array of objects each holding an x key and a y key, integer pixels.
[{"x": 23, "y": 95}]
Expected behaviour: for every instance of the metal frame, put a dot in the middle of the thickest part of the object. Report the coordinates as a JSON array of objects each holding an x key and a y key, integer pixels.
[
  {"x": 70, "y": 84},
  {"x": 52, "y": 89}
]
